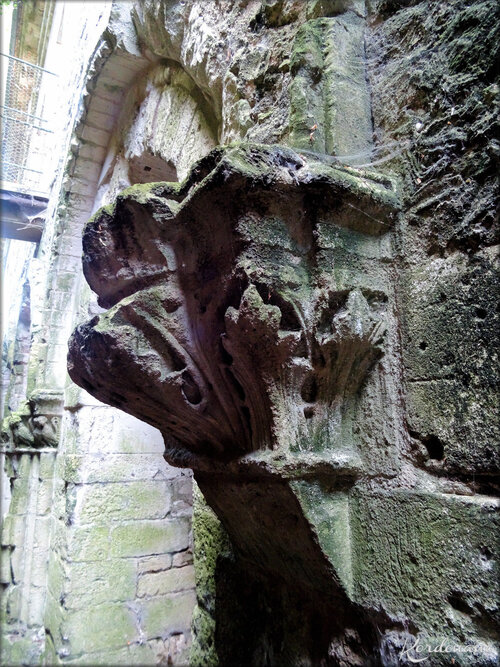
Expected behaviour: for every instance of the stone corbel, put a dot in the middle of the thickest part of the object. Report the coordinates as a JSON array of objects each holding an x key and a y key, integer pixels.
[
  {"x": 231, "y": 329},
  {"x": 223, "y": 328}
]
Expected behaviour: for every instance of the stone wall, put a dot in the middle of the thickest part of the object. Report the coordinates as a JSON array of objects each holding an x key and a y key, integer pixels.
[
  {"x": 310, "y": 329},
  {"x": 304, "y": 312},
  {"x": 97, "y": 557},
  {"x": 120, "y": 568}
]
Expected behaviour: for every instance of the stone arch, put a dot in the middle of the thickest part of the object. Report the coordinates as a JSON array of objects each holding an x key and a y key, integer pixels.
[{"x": 162, "y": 96}]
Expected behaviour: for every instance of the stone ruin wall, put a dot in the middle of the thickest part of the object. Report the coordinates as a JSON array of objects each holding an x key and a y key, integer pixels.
[
  {"x": 96, "y": 545},
  {"x": 348, "y": 448}
]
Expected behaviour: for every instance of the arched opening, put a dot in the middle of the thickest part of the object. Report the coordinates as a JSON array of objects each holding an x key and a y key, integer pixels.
[{"x": 149, "y": 168}]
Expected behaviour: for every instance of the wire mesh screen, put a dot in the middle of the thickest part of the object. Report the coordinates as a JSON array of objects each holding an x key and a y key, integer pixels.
[{"x": 25, "y": 133}]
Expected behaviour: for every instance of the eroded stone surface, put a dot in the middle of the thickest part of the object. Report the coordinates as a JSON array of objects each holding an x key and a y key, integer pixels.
[
  {"x": 210, "y": 308},
  {"x": 37, "y": 422},
  {"x": 251, "y": 319},
  {"x": 291, "y": 336}
]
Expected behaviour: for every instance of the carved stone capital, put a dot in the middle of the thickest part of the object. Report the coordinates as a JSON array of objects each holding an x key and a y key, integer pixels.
[
  {"x": 227, "y": 328},
  {"x": 36, "y": 424},
  {"x": 242, "y": 324}
]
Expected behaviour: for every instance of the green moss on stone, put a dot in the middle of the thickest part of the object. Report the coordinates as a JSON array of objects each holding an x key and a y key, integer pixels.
[
  {"x": 99, "y": 628},
  {"x": 210, "y": 543},
  {"x": 203, "y": 652}
]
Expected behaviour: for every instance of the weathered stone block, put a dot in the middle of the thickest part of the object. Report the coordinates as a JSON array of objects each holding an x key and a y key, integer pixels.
[
  {"x": 93, "y": 152},
  {"x": 17, "y": 562},
  {"x": 182, "y": 558},
  {"x": 106, "y": 106},
  {"x": 95, "y": 137},
  {"x": 142, "y": 538},
  {"x": 89, "y": 543},
  {"x": 49, "y": 656},
  {"x": 100, "y": 628},
  {"x": 330, "y": 513},
  {"x": 133, "y": 437},
  {"x": 5, "y": 573},
  {"x": 53, "y": 617},
  {"x": 440, "y": 534},
  {"x": 19, "y": 496},
  {"x": 162, "y": 583},
  {"x": 155, "y": 563},
  {"x": 99, "y": 582},
  {"x": 13, "y": 528},
  {"x": 47, "y": 462},
  {"x": 118, "y": 467},
  {"x": 45, "y": 497},
  {"x": 102, "y": 503},
  {"x": 13, "y": 604},
  {"x": 174, "y": 649},
  {"x": 94, "y": 427},
  {"x": 36, "y": 606},
  {"x": 39, "y": 558},
  {"x": 55, "y": 574},
  {"x": 167, "y": 615},
  {"x": 182, "y": 488},
  {"x": 135, "y": 654},
  {"x": 182, "y": 496},
  {"x": 450, "y": 323}
]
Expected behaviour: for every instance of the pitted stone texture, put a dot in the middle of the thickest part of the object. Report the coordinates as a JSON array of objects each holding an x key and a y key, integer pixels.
[
  {"x": 452, "y": 360},
  {"x": 261, "y": 339},
  {"x": 272, "y": 86},
  {"x": 210, "y": 308},
  {"x": 293, "y": 370},
  {"x": 448, "y": 159}
]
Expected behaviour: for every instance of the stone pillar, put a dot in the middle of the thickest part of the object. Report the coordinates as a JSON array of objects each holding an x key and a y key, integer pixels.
[
  {"x": 26, "y": 531},
  {"x": 259, "y": 315}
]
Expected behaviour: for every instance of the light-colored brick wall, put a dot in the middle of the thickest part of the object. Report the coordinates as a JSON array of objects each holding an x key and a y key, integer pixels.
[
  {"x": 123, "y": 516},
  {"x": 97, "y": 550}
]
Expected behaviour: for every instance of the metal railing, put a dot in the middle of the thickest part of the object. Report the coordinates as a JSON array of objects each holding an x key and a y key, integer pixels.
[{"x": 25, "y": 132}]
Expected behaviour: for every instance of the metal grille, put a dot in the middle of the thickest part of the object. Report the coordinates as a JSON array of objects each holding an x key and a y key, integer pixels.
[{"x": 25, "y": 133}]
